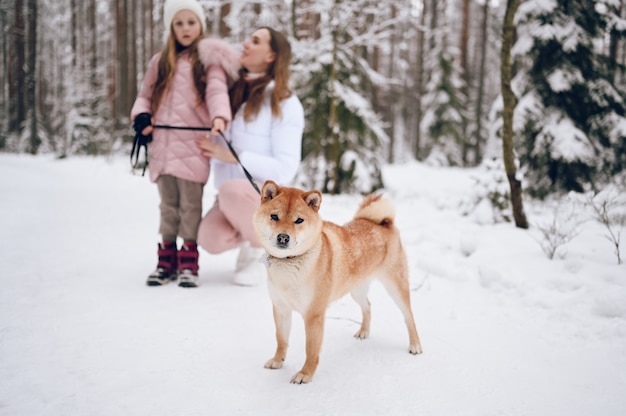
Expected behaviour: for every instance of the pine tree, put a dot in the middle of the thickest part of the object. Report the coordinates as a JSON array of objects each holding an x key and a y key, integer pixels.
[
  {"x": 572, "y": 126},
  {"x": 444, "y": 117},
  {"x": 444, "y": 101},
  {"x": 344, "y": 136}
]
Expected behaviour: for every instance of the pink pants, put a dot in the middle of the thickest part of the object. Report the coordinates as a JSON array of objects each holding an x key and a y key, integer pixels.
[{"x": 229, "y": 222}]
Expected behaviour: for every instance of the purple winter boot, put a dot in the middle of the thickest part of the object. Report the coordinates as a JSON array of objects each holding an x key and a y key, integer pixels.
[
  {"x": 166, "y": 270},
  {"x": 188, "y": 265}
]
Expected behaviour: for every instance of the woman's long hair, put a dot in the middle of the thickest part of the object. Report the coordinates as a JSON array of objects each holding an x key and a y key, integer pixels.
[
  {"x": 167, "y": 67},
  {"x": 252, "y": 92}
]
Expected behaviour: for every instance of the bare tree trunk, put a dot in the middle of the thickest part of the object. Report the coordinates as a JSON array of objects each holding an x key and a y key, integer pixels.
[
  {"x": 334, "y": 155},
  {"x": 622, "y": 59},
  {"x": 391, "y": 92},
  {"x": 613, "y": 46},
  {"x": 4, "y": 79},
  {"x": 152, "y": 49},
  {"x": 508, "y": 30},
  {"x": 93, "y": 47},
  {"x": 405, "y": 111},
  {"x": 481, "y": 87},
  {"x": 224, "y": 11},
  {"x": 122, "y": 82},
  {"x": 420, "y": 79},
  {"x": 308, "y": 26},
  {"x": 112, "y": 62},
  {"x": 294, "y": 19},
  {"x": 17, "y": 108},
  {"x": 34, "y": 141},
  {"x": 74, "y": 31},
  {"x": 463, "y": 55},
  {"x": 434, "y": 15},
  {"x": 131, "y": 92},
  {"x": 464, "y": 41},
  {"x": 145, "y": 14}
]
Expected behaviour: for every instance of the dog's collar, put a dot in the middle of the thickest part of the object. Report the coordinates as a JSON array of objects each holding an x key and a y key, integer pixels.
[{"x": 267, "y": 258}]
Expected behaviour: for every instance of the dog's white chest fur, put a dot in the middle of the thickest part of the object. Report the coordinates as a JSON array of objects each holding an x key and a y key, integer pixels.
[{"x": 287, "y": 284}]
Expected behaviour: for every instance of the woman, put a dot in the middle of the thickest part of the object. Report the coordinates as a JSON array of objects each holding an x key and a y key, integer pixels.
[{"x": 266, "y": 133}]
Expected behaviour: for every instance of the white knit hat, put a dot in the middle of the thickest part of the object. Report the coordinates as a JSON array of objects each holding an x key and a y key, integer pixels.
[{"x": 171, "y": 7}]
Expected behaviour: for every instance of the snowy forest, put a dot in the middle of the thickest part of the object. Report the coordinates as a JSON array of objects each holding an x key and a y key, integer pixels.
[{"x": 381, "y": 82}]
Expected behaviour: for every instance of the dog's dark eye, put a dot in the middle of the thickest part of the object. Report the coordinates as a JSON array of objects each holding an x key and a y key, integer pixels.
[
  {"x": 274, "y": 217},
  {"x": 299, "y": 221}
]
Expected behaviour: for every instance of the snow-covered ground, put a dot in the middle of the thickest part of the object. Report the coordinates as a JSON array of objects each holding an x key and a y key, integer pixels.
[{"x": 505, "y": 331}]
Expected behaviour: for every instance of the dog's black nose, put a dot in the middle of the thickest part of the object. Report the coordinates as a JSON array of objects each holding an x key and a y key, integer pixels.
[{"x": 282, "y": 239}]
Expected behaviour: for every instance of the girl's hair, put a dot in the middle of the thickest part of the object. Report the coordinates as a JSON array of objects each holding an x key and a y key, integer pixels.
[
  {"x": 167, "y": 66},
  {"x": 252, "y": 92}
]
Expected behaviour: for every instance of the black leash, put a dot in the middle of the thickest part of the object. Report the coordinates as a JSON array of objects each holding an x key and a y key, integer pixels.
[
  {"x": 228, "y": 143},
  {"x": 138, "y": 142}
]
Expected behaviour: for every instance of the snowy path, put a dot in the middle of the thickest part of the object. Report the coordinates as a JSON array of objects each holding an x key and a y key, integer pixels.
[{"x": 505, "y": 331}]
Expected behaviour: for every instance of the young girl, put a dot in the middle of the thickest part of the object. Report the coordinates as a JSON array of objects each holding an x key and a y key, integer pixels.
[
  {"x": 186, "y": 84},
  {"x": 267, "y": 134}
]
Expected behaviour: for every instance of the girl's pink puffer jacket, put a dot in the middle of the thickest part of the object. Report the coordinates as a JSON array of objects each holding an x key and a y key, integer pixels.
[{"x": 174, "y": 152}]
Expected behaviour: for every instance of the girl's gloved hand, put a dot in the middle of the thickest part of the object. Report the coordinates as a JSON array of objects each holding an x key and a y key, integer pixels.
[{"x": 143, "y": 124}]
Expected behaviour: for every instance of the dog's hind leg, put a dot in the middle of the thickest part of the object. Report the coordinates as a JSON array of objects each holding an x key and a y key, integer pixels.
[
  {"x": 282, "y": 321},
  {"x": 398, "y": 288},
  {"x": 359, "y": 294}
]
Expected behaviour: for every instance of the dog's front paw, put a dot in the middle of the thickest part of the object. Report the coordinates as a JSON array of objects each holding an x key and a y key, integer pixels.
[
  {"x": 362, "y": 334},
  {"x": 274, "y": 364},
  {"x": 415, "y": 349},
  {"x": 301, "y": 378}
]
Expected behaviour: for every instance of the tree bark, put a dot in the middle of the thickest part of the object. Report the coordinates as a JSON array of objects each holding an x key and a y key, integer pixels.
[
  {"x": 335, "y": 153},
  {"x": 391, "y": 90},
  {"x": 294, "y": 20},
  {"x": 93, "y": 48},
  {"x": 478, "y": 139},
  {"x": 17, "y": 106},
  {"x": 131, "y": 92},
  {"x": 74, "y": 31},
  {"x": 420, "y": 81},
  {"x": 4, "y": 98},
  {"x": 34, "y": 141},
  {"x": 122, "y": 82},
  {"x": 508, "y": 97},
  {"x": 613, "y": 46},
  {"x": 463, "y": 59}
]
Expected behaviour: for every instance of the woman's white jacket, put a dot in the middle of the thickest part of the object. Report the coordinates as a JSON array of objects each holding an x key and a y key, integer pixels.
[{"x": 268, "y": 147}]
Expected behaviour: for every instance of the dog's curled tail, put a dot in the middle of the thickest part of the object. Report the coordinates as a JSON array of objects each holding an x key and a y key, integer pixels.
[{"x": 377, "y": 209}]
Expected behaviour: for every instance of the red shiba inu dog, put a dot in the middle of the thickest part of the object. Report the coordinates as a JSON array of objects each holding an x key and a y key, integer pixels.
[{"x": 312, "y": 262}]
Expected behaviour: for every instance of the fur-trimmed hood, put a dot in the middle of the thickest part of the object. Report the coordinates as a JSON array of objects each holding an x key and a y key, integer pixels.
[{"x": 213, "y": 51}]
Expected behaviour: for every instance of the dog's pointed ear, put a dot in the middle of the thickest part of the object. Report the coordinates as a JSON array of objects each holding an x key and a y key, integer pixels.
[
  {"x": 269, "y": 191},
  {"x": 313, "y": 199}
]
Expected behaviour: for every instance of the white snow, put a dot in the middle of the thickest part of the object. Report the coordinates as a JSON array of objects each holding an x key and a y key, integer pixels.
[
  {"x": 565, "y": 141},
  {"x": 505, "y": 331},
  {"x": 562, "y": 81}
]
